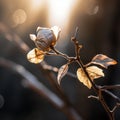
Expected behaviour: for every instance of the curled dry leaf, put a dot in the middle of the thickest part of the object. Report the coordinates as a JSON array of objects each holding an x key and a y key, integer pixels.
[
  {"x": 62, "y": 72},
  {"x": 103, "y": 60},
  {"x": 94, "y": 73},
  {"x": 35, "y": 56}
]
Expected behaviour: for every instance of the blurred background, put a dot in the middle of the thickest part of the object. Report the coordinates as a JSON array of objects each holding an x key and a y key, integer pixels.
[{"x": 99, "y": 32}]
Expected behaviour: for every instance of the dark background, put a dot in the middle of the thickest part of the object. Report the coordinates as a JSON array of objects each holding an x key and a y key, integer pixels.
[{"x": 98, "y": 33}]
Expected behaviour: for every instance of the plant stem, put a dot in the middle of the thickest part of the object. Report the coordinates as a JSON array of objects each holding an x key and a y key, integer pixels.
[
  {"x": 70, "y": 59},
  {"x": 96, "y": 88},
  {"x": 110, "y": 87}
]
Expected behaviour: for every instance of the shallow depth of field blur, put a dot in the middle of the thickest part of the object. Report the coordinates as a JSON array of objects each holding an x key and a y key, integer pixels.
[{"x": 99, "y": 32}]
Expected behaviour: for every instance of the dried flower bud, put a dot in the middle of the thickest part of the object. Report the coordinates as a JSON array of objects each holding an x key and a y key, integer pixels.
[{"x": 46, "y": 37}]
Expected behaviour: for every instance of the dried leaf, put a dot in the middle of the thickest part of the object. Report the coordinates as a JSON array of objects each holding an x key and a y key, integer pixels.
[
  {"x": 82, "y": 78},
  {"x": 94, "y": 73},
  {"x": 103, "y": 60},
  {"x": 33, "y": 37},
  {"x": 35, "y": 56},
  {"x": 62, "y": 72}
]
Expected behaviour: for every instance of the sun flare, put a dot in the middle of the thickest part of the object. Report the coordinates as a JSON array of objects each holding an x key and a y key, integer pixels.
[{"x": 59, "y": 11}]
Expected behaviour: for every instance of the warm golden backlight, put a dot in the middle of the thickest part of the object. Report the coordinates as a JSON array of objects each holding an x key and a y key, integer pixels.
[
  {"x": 36, "y": 4},
  {"x": 59, "y": 11}
]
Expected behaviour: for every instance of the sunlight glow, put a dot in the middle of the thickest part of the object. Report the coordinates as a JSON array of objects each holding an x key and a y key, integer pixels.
[
  {"x": 59, "y": 11},
  {"x": 36, "y": 4}
]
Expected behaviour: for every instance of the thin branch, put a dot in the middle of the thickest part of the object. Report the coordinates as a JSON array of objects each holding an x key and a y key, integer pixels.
[
  {"x": 58, "y": 53},
  {"x": 94, "y": 97},
  {"x": 33, "y": 83},
  {"x": 115, "y": 107},
  {"x": 112, "y": 95},
  {"x": 102, "y": 100},
  {"x": 94, "y": 86},
  {"x": 13, "y": 37},
  {"x": 77, "y": 52},
  {"x": 111, "y": 87}
]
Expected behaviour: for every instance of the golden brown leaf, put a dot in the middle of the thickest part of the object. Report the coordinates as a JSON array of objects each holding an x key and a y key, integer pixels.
[
  {"x": 35, "y": 56},
  {"x": 94, "y": 73},
  {"x": 103, "y": 60},
  {"x": 62, "y": 72}
]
